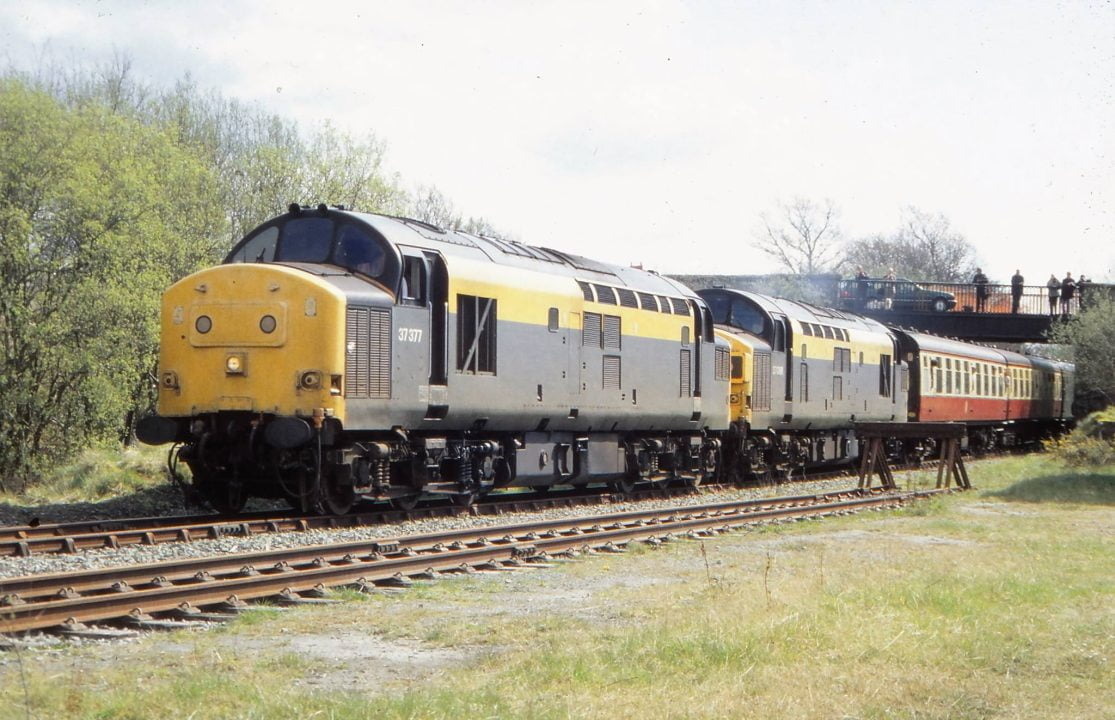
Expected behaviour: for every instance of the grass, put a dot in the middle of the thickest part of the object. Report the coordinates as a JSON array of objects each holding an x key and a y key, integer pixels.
[
  {"x": 98, "y": 474},
  {"x": 994, "y": 603}
]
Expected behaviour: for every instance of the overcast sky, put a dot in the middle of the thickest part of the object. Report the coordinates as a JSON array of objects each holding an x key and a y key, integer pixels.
[{"x": 658, "y": 132}]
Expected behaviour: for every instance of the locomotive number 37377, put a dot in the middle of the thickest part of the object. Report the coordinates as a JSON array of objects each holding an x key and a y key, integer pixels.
[{"x": 410, "y": 334}]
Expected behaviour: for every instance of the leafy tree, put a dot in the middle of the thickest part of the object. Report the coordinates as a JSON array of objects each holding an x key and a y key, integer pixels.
[
  {"x": 1091, "y": 333},
  {"x": 802, "y": 236},
  {"x": 430, "y": 205},
  {"x": 924, "y": 247},
  {"x": 98, "y": 214}
]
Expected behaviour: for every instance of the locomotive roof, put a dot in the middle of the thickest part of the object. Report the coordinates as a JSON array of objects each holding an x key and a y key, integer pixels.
[
  {"x": 800, "y": 311},
  {"x": 454, "y": 243}
]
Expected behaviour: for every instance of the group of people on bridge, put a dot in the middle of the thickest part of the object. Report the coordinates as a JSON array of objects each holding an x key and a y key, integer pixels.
[
  {"x": 1066, "y": 296},
  {"x": 1069, "y": 292}
]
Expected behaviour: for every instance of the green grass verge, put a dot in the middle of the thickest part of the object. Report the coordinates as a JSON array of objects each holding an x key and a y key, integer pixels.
[{"x": 98, "y": 474}]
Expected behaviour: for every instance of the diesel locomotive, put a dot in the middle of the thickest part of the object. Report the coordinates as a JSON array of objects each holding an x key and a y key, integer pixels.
[{"x": 338, "y": 355}]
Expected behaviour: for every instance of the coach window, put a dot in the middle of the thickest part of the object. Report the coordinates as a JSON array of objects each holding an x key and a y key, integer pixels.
[{"x": 967, "y": 378}]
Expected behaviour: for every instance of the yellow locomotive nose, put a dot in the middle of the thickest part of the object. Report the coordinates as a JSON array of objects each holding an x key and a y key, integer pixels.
[{"x": 263, "y": 338}]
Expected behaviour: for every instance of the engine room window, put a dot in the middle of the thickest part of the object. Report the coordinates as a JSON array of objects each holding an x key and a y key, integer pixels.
[
  {"x": 552, "y": 320},
  {"x": 306, "y": 240},
  {"x": 476, "y": 334}
]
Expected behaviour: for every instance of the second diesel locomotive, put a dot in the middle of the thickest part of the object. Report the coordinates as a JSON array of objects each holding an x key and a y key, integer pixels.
[{"x": 339, "y": 355}]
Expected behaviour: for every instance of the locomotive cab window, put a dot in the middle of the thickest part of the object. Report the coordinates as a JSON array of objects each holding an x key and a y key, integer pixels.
[
  {"x": 306, "y": 239},
  {"x": 317, "y": 239},
  {"x": 260, "y": 248},
  {"x": 359, "y": 253},
  {"x": 412, "y": 287}
]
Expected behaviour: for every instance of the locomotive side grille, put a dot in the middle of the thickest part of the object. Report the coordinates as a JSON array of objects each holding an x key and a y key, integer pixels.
[
  {"x": 612, "y": 332},
  {"x": 686, "y": 376},
  {"x": 722, "y": 363},
  {"x": 367, "y": 353},
  {"x": 760, "y": 393},
  {"x": 611, "y": 372},
  {"x": 591, "y": 330}
]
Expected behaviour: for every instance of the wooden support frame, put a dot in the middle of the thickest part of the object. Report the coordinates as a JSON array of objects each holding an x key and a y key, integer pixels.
[
  {"x": 873, "y": 451},
  {"x": 952, "y": 465},
  {"x": 872, "y": 459}
]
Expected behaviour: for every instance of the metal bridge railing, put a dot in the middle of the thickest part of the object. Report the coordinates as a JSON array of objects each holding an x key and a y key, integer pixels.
[{"x": 991, "y": 298}]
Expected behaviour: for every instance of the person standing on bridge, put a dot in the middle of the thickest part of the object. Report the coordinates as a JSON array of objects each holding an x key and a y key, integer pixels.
[
  {"x": 1016, "y": 282},
  {"x": 980, "y": 281},
  {"x": 889, "y": 289},
  {"x": 1054, "y": 286},
  {"x": 1068, "y": 289}
]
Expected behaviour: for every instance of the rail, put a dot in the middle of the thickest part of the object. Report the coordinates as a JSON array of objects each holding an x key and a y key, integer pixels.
[{"x": 182, "y": 588}]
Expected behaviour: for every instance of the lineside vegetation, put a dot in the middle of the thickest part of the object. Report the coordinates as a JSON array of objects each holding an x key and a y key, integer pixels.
[{"x": 111, "y": 191}]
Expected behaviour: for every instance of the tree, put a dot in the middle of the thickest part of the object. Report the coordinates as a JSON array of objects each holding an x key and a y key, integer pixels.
[
  {"x": 924, "y": 247},
  {"x": 803, "y": 237},
  {"x": 97, "y": 215},
  {"x": 1091, "y": 333},
  {"x": 429, "y": 204}
]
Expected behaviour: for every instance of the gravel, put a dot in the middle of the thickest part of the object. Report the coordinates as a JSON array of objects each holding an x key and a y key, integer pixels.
[{"x": 142, "y": 554}]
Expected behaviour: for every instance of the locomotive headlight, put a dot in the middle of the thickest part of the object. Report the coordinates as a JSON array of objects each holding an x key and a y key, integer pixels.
[
  {"x": 267, "y": 324},
  {"x": 234, "y": 364},
  {"x": 203, "y": 324},
  {"x": 310, "y": 380}
]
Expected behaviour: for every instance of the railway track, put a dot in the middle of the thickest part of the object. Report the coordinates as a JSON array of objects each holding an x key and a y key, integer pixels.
[
  {"x": 145, "y": 596},
  {"x": 71, "y": 537},
  {"x": 48, "y": 539}
]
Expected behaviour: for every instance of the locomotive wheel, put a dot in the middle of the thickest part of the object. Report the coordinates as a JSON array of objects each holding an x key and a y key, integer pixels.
[
  {"x": 337, "y": 497},
  {"x": 225, "y": 498},
  {"x": 623, "y": 486},
  {"x": 464, "y": 499},
  {"x": 406, "y": 503}
]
